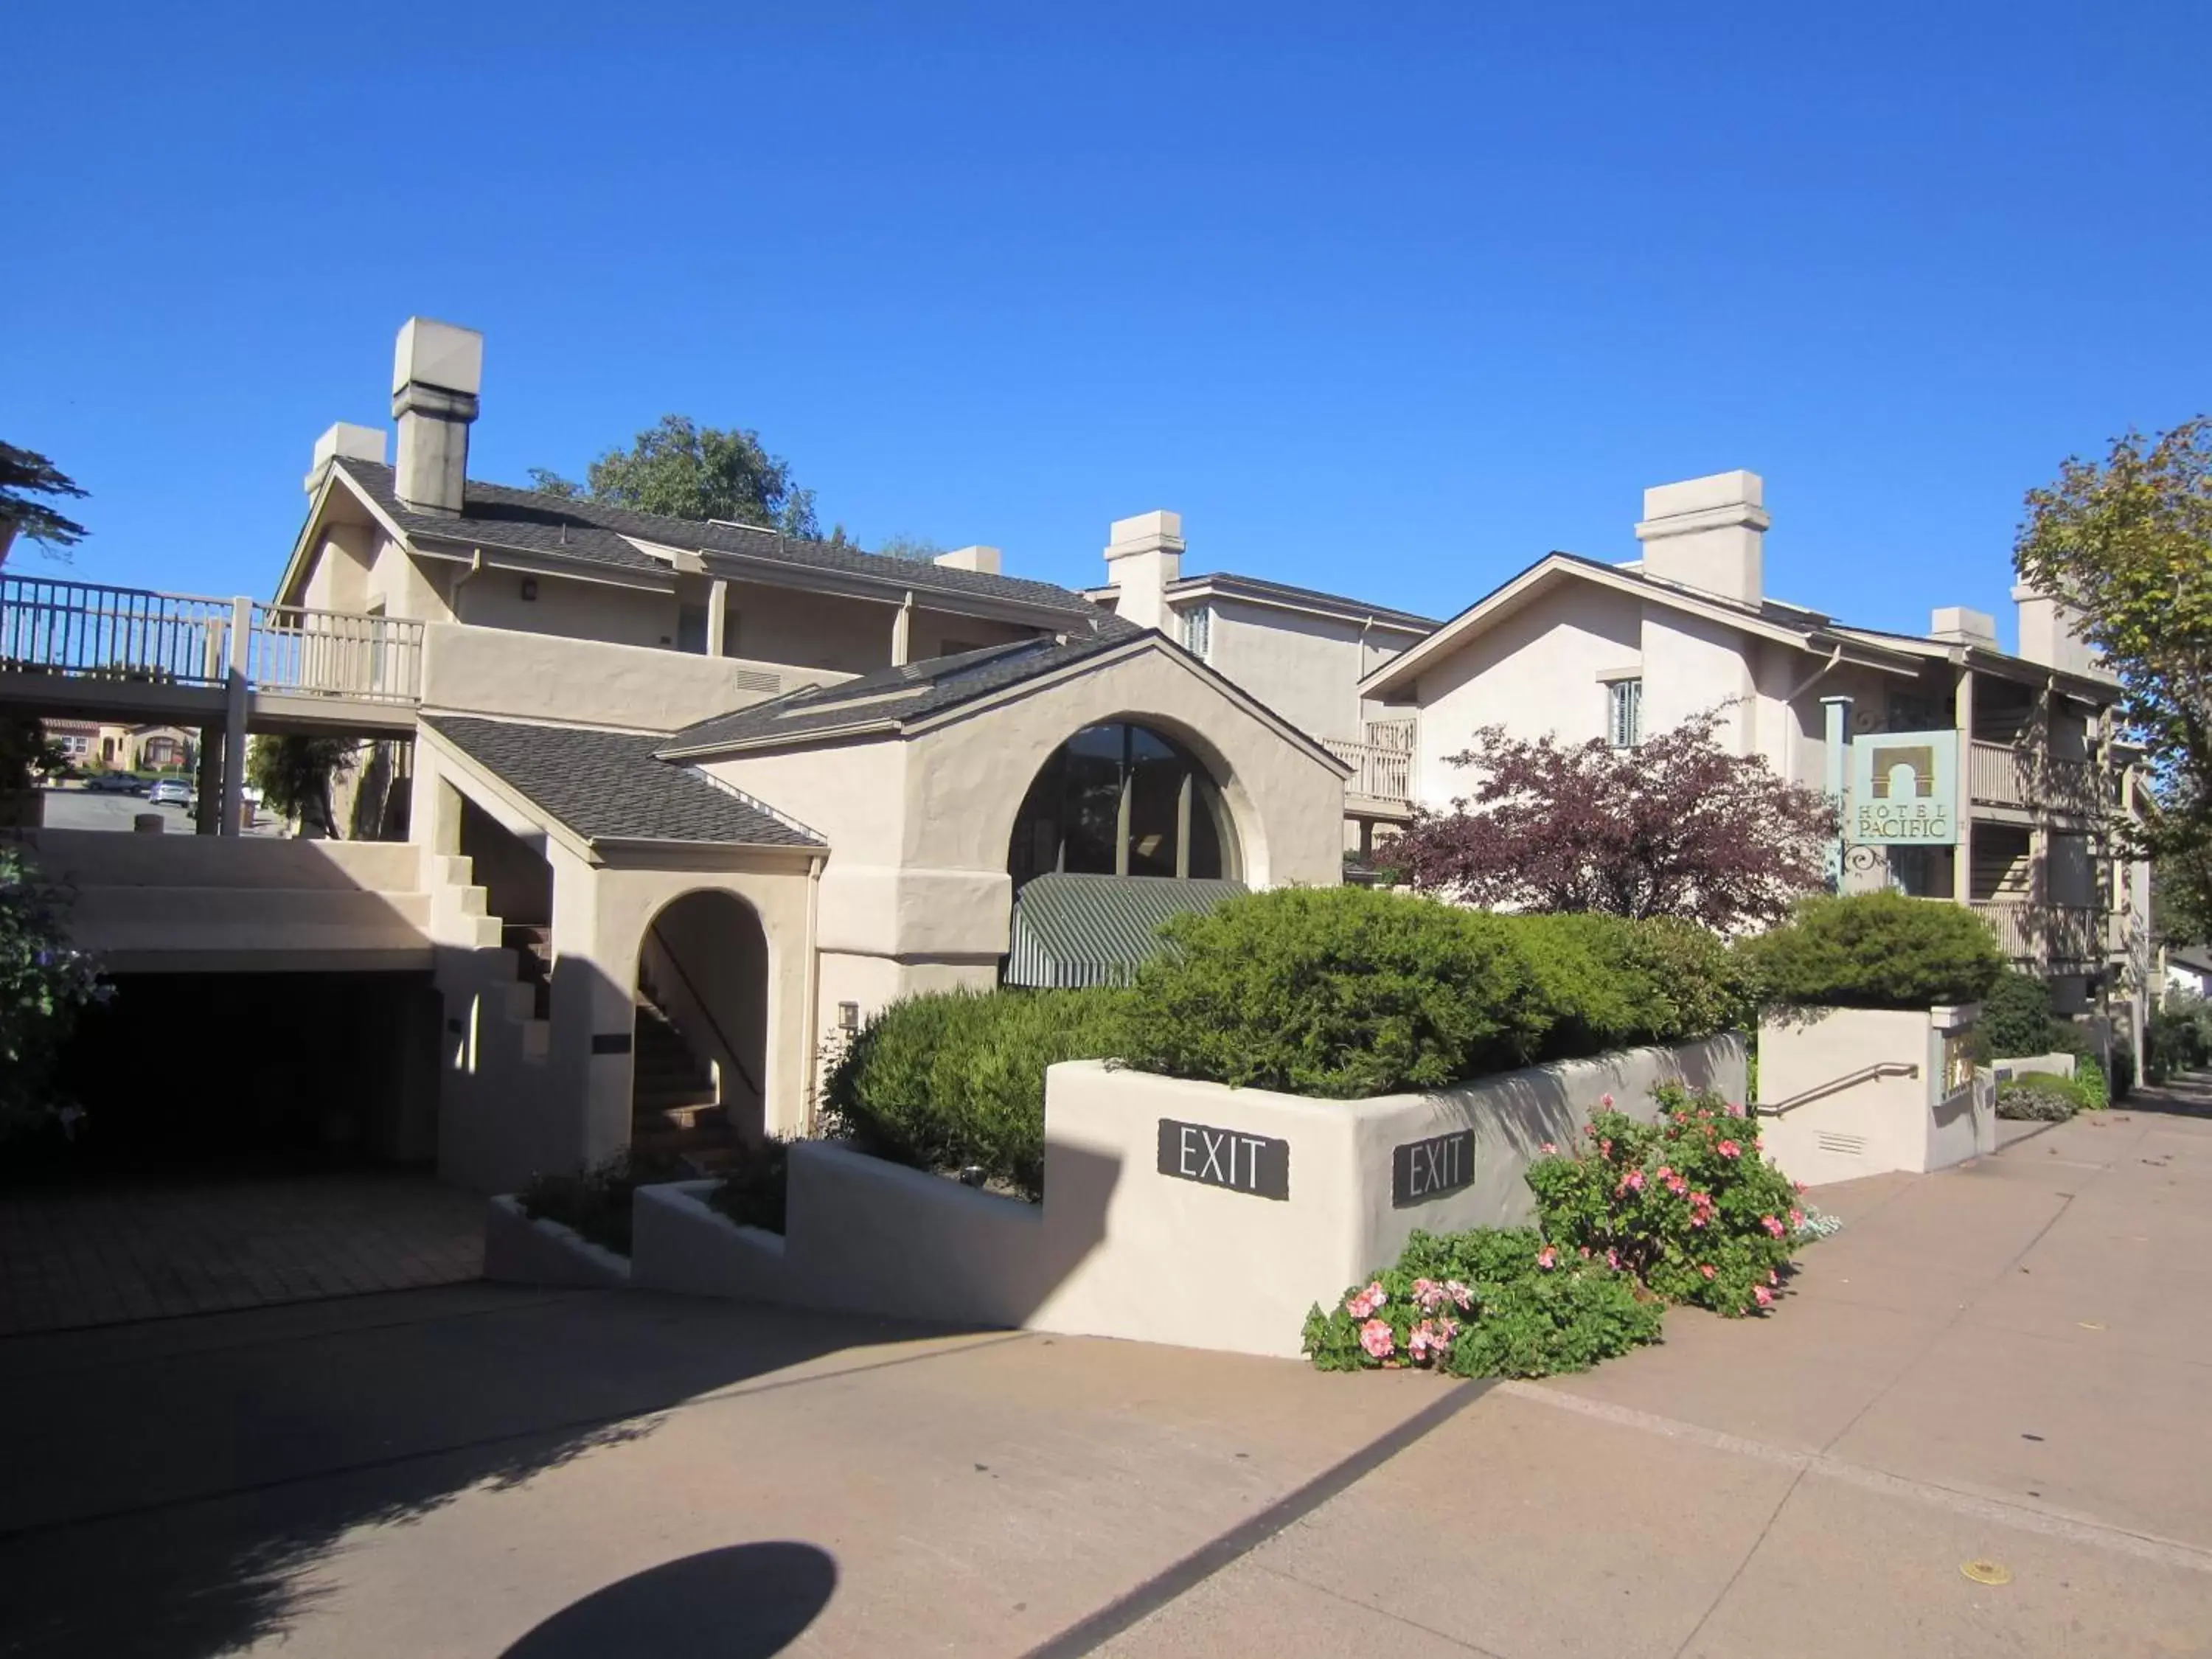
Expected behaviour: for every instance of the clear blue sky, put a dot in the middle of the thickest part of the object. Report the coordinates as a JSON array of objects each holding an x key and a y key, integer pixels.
[{"x": 1383, "y": 299}]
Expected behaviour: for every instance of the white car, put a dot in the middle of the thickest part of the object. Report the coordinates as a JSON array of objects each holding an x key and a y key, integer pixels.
[{"x": 170, "y": 791}]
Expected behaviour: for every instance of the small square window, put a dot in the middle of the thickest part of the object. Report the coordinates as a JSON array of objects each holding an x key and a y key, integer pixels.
[{"x": 1624, "y": 725}]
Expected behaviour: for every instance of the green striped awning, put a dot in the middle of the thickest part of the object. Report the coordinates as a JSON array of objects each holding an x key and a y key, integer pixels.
[{"x": 1094, "y": 930}]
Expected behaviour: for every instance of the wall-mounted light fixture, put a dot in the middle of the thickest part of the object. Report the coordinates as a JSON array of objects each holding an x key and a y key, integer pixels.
[
  {"x": 530, "y": 588},
  {"x": 848, "y": 1016}
]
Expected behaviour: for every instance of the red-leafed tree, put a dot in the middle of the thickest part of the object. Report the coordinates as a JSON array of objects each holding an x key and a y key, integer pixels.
[{"x": 1676, "y": 826}]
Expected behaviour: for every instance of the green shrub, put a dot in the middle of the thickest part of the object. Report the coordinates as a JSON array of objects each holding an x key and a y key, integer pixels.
[
  {"x": 1337, "y": 992},
  {"x": 955, "y": 1079},
  {"x": 2038, "y": 1097},
  {"x": 1488, "y": 1303},
  {"x": 2017, "y": 1020},
  {"x": 1875, "y": 950},
  {"x": 751, "y": 1192},
  {"x": 1608, "y": 983},
  {"x": 596, "y": 1202},
  {"x": 1687, "y": 1205},
  {"x": 46, "y": 982},
  {"x": 2091, "y": 1087},
  {"x": 2123, "y": 1070}
]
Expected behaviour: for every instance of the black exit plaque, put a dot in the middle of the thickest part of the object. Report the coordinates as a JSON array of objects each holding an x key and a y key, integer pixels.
[
  {"x": 1423, "y": 1170},
  {"x": 1257, "y": 1165}
]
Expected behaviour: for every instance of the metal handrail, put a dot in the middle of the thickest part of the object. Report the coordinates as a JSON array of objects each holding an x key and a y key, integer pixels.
[
  {"x": 728, "y": 1047},
  {"x": 1865, "y": 1074}
]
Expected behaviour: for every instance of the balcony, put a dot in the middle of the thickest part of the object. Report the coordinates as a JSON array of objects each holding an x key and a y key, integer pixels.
[
  {"x": 1382, "y": 766},
  {"x": 2003, "y": 774},
  {"x": 135, "y": 654},
  {"x": 2046, "y": 935}
]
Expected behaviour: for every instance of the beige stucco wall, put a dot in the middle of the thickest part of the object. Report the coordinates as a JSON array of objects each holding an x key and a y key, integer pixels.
[
  {"x": 811, "y": 630},
  {"x": 490, "y": 671},
  {"x": 1115, "y": 1247},
  {"x": 916, "y": 895},
  {"x": 569, "y": 607},
  {"x": 1875, "y": 1124},
  {"x": 1306, "y": 668}
]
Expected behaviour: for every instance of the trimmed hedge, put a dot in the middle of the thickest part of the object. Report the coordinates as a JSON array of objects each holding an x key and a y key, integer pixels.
[
  {"x": 1875, "y": 950},
  {"x": 955, "y": 1079},
  {"x": 1333, "y": 992}
]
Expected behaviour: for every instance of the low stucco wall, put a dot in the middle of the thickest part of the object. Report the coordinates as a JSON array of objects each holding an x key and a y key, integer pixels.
[
  {"x": 1122, "y": 1248},
  {"x": 1876, "y": 1124},
  {"x": 2056, "y": 1065},
  {"x": 520, "y": 1251}
]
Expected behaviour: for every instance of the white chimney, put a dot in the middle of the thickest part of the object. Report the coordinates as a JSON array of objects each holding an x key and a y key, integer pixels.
[
  {"x": 2046, "y": 632},
  {"x": 345, "y": 441},
  {"x": 436, "y": 373},
  {"x": 984, "y": 559},
  {"x": 1143, "y": 555},
  {"x": 1954, "y": 624},
  {"x": 1707, "y": 533}
]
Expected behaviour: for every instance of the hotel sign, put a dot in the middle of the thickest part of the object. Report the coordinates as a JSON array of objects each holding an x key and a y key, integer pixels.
[{"x": 1905, "y": 789}]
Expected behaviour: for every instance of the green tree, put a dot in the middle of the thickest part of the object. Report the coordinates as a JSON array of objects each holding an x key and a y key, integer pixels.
[
  {"x": 44, "y": 982},
  {"x": 682, "y": 470},
  {"x": 2127, "y": 544},
  {"x": 25, "y": 473},
  {"x": 903, "y": 546},
  {"x": 295, "y": 775}
]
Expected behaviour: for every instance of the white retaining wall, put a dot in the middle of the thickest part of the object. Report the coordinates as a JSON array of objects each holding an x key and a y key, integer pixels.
[
  {"x": 1876, "y": 1124},
  {"x": 1157, "y": 1223}
]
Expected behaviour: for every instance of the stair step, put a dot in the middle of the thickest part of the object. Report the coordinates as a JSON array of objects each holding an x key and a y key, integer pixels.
[
  {"x": 700, "y": 1114},
  {"x": 688, "y": 1143},
  {"x": 662, "y": 1100}
]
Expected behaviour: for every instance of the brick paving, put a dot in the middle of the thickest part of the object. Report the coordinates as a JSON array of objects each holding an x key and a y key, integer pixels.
[{"x": 107, "y": 1253}]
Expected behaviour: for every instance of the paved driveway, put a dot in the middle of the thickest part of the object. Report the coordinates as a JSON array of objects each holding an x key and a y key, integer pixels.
[{"x": 2007, "y": 1365}]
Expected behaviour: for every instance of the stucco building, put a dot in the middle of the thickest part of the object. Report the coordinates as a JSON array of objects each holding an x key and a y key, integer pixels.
[
  {"x": 1588, "y": 650},
  {"x": 695, "y": 798}
]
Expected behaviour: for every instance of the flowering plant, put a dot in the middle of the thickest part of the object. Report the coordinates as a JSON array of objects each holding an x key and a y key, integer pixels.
[
  {"x": 1494, "y": 1302},
  {"x": 1686, "y": 1204}
]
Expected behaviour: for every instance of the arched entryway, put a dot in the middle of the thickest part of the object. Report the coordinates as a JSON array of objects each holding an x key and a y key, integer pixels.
[
  {"x": 701, "y": 1043},
  {"x": 1120, "y": 799}
]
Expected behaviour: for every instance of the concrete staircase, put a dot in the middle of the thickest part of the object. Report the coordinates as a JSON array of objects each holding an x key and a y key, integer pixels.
[{"x": 673, "y": 1108}]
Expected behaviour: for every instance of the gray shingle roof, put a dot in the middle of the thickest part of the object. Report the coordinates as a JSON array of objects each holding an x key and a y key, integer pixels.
[
  {"x": 607, "y": 786},
  {"x": 1229, "y": 582},
  {"x": 528, "y": 520},
  {"x": 892, "y": 696}
]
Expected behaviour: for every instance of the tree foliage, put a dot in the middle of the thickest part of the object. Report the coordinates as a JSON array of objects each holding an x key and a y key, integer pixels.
[
  {"x": 2126, "y": 543},
  {"x": 295, "y": 776},
  {"x": 43, "y": 983},
  {"x": 1676, "y": 826},
  {"x": 25, "y": 473},
  {"x": 682, "y": 470}
]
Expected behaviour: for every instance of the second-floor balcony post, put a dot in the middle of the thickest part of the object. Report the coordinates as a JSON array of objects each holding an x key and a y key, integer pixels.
[{"x": 235, "y": 689}]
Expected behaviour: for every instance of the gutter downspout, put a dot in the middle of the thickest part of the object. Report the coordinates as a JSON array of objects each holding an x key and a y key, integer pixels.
[
  {"x": 809, "y": 1071},
  {"x": 453, "y": 591}
]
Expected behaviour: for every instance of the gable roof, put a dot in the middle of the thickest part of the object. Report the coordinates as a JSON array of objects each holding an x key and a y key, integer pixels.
[
  {"x": 496, "y": 517},
  {"x": 1301, "y": 599},
  {"x": 889, "y": 698},
  {"x": 609, "y": 785},
  {"x": 1771, "y": 619}
]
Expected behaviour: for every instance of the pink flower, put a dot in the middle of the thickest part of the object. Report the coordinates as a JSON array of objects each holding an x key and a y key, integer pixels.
[
  {"x": 1665, "y": 1169},
  {"x": 1699, "y": 1218},
  {"x": 1585, "y": 1252},
  {"x": 1677, "y": 1186},
  {"x": 1547, "y": 1149},
  {"x": 1772, "y": 1226},
  {"x": 1613, "y": 1260},
  {"x": 1706, "y": 1268},
  {"x": 1761, "y": 1295},
  {"x": 1428, "y": 1293},
  {"x": 1800, "y": 1186},
  {"x": 1460, "y": 1295},
  {"x": 1734, "y": 1110},
  {"x": 1547, "y": 1258},
  {"x": 1772, "y": 1276},
  {"x": 1729, "y": 1149},
  {"x": 1366, "y": 1302},
  {"x": 1631, "y": 1182},
  {"x": 1419, "y": 1340},
  {"x": 1606, "y": 1101},
  {"x": 1797, "y": 1217},
  {"x": 1605, "y": 1147},
  {"x": 1375, "y": 1337}
]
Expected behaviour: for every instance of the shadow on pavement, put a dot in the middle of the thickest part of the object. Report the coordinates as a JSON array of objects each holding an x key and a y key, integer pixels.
[
  {"x": 746, "y": 1602},
  {"x": 2181, "y": 1097},
  {"x": 172, "y": 1501}
]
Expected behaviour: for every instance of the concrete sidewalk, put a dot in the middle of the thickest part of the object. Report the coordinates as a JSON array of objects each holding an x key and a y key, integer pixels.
[
  {"x": 2006, "y": 1363},
  {"x": 2009, "y": 1362}
]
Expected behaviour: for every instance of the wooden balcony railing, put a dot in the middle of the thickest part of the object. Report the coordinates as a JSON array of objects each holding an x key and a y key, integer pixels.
[
  {"x": 2045, "y": 934},
  {"x": 2001, "y": 775},
  {"x": 89, "y": 631},
  {"x": 1377, "y": 772}
]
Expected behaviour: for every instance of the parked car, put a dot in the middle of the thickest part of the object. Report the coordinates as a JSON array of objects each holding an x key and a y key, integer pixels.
[
  {"x": 170, "y": 791},
  {"x": 115, "y": 783}
]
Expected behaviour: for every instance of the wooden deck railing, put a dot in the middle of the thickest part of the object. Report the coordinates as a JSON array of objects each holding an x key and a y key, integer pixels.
[
  {"x": 2043, "y": 933},
  {"x": 87, "y": 630}
]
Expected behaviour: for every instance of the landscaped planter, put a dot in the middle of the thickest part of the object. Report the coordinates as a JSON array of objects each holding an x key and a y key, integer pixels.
[
  {"x": 1174, "y": 1211},
  {"x": 1837, "y": 1122},
  {"x": 520, "y": 1251}
]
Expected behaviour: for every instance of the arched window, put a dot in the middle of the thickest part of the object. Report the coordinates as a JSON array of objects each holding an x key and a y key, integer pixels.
[{"x": 1119, "y": 799}]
